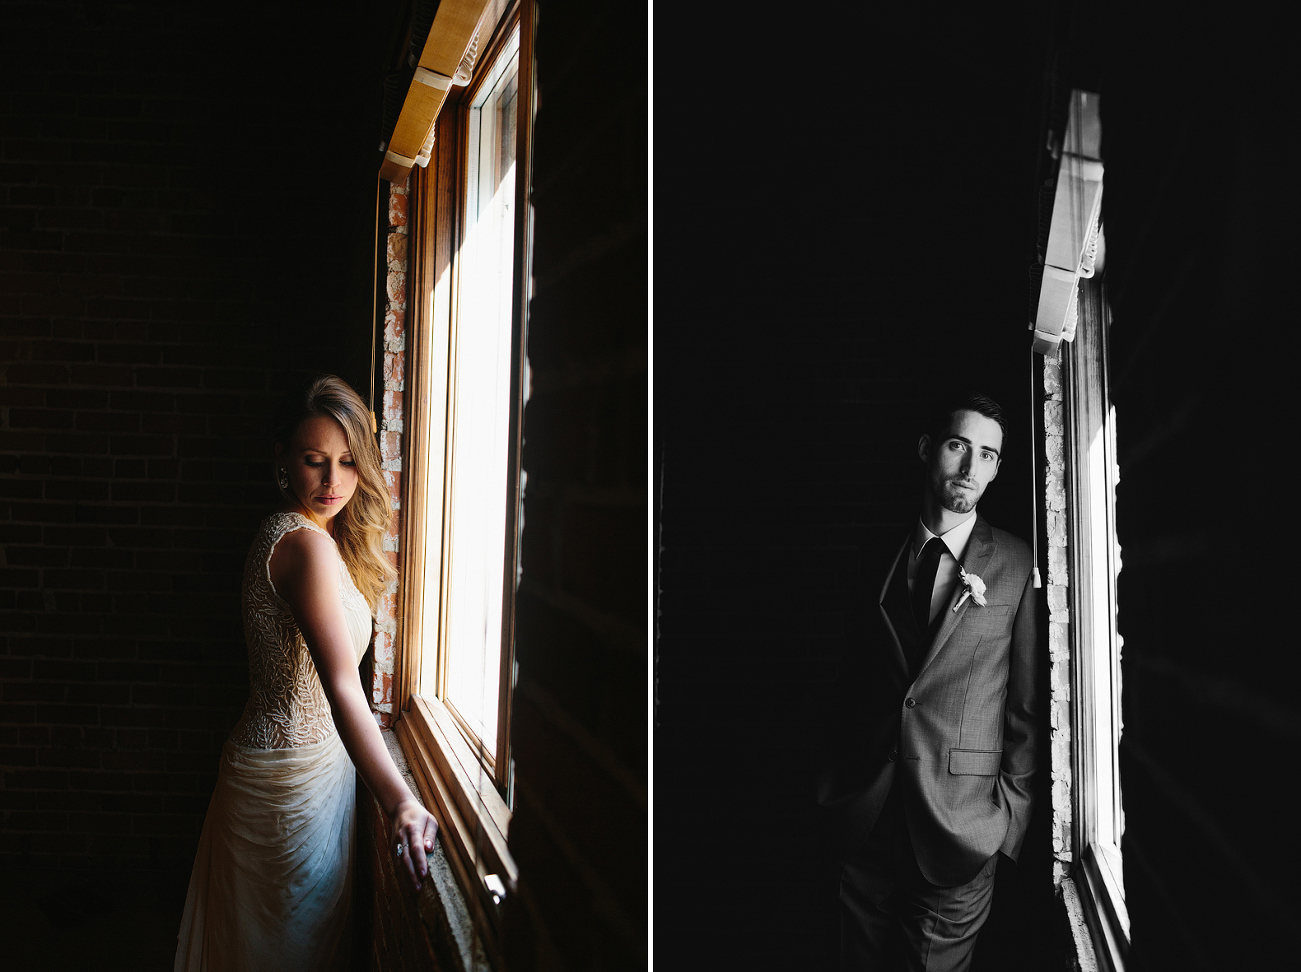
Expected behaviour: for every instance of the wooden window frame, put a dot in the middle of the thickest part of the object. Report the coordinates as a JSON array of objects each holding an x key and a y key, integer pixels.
[
  {"x": 470, "y": 796},
  {"x": 1095, "y": 642}
]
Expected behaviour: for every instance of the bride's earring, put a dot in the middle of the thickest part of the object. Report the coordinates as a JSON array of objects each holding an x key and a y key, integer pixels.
[{"x": 284, "y": 478}]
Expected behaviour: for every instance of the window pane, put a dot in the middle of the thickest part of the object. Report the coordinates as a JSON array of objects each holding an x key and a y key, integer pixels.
[
  {"x": 1097, "y": 562},
  {"x": 481, "y": 401}
]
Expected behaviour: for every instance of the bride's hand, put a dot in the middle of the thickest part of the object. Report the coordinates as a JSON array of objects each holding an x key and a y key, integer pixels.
[{"x": 413, "y": 840}]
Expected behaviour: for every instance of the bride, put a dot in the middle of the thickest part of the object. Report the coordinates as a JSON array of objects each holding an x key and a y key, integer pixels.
[{"x": 272, "y": 877}]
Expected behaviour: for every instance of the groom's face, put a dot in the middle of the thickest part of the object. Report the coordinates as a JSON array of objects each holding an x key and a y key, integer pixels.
[{"x": 964, "y": 461}]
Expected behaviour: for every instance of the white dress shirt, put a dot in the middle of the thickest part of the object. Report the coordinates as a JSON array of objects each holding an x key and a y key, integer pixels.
[{"x": 946, "y": 574}]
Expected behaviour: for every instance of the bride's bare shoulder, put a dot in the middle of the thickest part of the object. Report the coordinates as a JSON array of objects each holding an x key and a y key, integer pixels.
[{"x": 300, "y": 555}]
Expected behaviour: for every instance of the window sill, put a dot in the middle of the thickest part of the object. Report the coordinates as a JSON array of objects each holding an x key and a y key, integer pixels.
[
  {"x": 471, "y": 814},
  {"x": 450, "y": 940},
  {"x": 1104, "y": 909}
]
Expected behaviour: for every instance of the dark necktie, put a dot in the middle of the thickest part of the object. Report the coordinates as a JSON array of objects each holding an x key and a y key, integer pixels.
[{"x": 924, "y": 583}]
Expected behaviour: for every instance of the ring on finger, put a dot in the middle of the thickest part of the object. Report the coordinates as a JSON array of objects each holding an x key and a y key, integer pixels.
[{"x": 401, "y": 848}]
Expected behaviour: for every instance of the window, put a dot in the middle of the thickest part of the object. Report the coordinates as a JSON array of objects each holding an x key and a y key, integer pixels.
[
  {"x": 1072, "y": 318},
  {"x": 1094, "y": 556},
  {"x": 466, "y": 608},
  {"x": 465, "y": 396}
]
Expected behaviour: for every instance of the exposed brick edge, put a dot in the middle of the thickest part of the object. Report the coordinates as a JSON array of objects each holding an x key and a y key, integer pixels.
[
  {"x": 390, "y": 441},
  {"x": 429, "y": 929},
  {"x": 1059, "y": 628}
]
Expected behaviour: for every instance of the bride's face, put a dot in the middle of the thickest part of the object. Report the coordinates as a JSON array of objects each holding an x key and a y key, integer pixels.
[{"x": 319, "y": 464}]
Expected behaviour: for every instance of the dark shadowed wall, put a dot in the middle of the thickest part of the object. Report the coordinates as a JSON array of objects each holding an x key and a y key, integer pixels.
[
  {"x": 182, "y": 229},
  {"x": 839, "y": 249},
  {"x": 184, "y": 226},
  {"x": 1201, "y": 214},
  {"x": 579, "y": 832}
]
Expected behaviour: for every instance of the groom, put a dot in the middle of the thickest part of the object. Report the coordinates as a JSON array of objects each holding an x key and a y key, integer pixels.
[{"x": 933, "y": 782}]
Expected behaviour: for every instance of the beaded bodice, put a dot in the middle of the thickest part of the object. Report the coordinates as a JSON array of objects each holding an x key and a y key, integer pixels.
[{"x": 287, "y": 707}]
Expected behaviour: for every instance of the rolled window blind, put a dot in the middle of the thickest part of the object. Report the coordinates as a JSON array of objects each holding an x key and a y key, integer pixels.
[{"x": 446, "y": 58}]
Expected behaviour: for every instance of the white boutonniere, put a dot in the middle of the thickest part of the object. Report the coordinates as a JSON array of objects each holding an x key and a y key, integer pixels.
[{"x": 972, "y": 587}]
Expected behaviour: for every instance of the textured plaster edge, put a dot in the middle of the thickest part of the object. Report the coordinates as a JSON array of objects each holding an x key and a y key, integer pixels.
[{"x": 1086, "y": 959}]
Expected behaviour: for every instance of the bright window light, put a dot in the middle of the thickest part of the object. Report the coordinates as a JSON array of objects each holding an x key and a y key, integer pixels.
[{"x": 479, "y": 419}]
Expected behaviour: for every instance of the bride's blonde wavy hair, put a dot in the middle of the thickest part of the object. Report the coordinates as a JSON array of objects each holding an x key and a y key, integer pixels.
[{"x": 359, "y": 527}]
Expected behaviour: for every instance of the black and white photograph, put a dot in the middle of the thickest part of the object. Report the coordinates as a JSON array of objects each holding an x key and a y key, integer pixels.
[{"x": 1069, "y": 749}]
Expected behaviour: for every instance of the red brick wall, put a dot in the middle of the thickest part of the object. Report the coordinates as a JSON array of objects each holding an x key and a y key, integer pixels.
[{"x": 174, "y": 245}]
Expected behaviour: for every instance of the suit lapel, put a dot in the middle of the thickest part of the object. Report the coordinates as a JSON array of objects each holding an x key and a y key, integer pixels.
[
  {"x": 976, "y": 559},
  {"x": 895, "y": 620}
]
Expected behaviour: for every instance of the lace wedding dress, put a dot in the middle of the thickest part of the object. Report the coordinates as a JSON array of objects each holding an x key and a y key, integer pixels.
[{"x": 272, "y": 877}]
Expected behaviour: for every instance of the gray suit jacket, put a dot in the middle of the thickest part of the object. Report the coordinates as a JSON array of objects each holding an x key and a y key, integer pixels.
[{"x": 959, "y": 735}]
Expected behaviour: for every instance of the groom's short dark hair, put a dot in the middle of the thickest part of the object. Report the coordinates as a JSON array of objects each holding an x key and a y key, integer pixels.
[{"x": 941, "y": 418}]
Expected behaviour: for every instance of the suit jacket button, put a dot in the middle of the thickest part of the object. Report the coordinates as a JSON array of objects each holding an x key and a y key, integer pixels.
[
  {"x": 909, "y": 703},
  {"x": 892, "y": 757}
]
